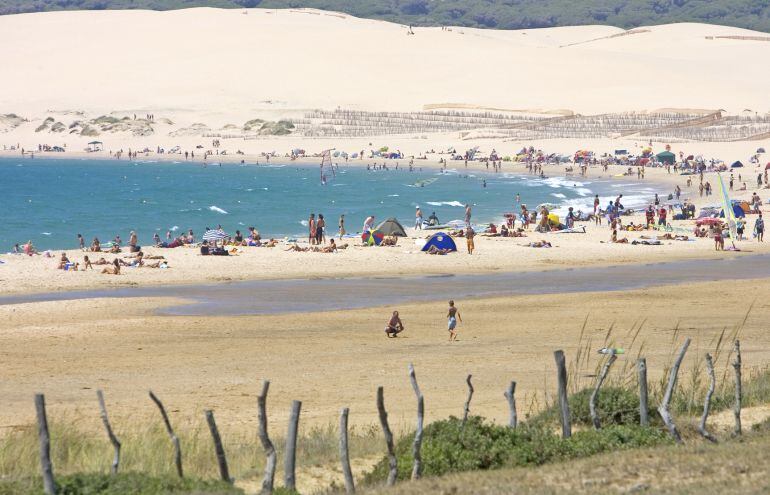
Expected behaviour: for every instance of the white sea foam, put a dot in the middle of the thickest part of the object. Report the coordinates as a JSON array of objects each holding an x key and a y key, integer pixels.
[
  {"x": 304, "y": 222},
  {"x": 559, "y": 195},
  {"x": 45, "y": 233},
  {"x": 174, "y": 228},
  {"x": 446, "y": 203},
  {"x": 217, "y": 209}
]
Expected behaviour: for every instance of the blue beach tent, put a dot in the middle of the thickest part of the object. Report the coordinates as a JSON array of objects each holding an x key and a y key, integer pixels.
[
  {"x": 737, "y": 211},
  {"x": 441, "y": 241}
]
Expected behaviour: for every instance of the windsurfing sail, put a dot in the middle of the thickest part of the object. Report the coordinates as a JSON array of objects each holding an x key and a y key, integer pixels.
[
  {"x": 326, "y": 162},
  {"x": 727, "y": 206}
]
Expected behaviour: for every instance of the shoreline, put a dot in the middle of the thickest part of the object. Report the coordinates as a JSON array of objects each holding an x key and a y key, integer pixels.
[{"x": 494, "y": 255}]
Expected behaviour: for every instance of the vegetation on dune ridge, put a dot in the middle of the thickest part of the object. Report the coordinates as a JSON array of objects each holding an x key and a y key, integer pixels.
[{"x": 498, "y": 14}]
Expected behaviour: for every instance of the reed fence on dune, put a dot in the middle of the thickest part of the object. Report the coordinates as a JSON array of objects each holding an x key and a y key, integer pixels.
[
  {"x": 563, "y": 373},
  {"x": 516, "y": 126}
]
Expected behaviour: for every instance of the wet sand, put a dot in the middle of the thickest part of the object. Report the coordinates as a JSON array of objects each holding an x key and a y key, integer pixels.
[{"x": 301, "y": 295}]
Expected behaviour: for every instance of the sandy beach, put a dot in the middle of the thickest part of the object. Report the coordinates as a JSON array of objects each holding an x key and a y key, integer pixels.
[{"x": 267, "y": 82}]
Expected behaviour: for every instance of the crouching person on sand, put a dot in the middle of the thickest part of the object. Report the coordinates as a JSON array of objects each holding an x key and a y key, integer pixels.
[{"x": 395, "y": 326}]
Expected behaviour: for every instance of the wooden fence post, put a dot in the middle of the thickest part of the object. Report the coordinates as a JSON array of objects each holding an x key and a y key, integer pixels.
[
  {"x": 510, "y": 394},
  {"x": 392, "y": 459},
  {"x": 561, "y": 374},
  {"x": 49, "y": 486},
  {"x": 417, "y": 446},
  {"x": 595, "y": 394},
  {"x": 467, "y": 408},
  {"x": 268, "y": 480},
  {"x": 707, "y": 402},
  {"x": 171, "y": 434},
  {"x": 224, "y": 473},
  {"x": 289, "y": 465},
  {"x": 350, "y": 486},
  {"x": 664, "y": 405},
  {"x": 641, "y": 366},
  {"x": 107, "y": 426},
  {"x": 738, "y": 387}
]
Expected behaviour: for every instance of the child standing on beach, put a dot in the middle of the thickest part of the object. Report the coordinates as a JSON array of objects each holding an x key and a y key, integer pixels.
[{"x": 452, "y": 316}]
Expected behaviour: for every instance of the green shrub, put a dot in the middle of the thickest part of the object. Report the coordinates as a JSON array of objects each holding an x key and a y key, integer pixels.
[
  {"x": 448, "y": 447},
  {"x": 616, "y": 406},
  {"x": 122, "y": 484}
]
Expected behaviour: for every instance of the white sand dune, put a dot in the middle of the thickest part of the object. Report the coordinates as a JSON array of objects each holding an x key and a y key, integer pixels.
[{"x": 218, "y": 66}]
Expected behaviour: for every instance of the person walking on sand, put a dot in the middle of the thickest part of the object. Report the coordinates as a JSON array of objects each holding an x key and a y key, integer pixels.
[
  {"x": 395, "y": 326},
  {"x": 342, "y": 226},
  {"x": 311, "y": 226},
  {"x": 453, "y": 315},
  {"x": 759, "y": 228},
  {"x": 418, "y": 219},
  {"x": 469, "y": 235}
]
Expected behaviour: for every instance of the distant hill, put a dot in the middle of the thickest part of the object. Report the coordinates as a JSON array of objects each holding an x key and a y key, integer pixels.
[{"x": 495, "y": 14}]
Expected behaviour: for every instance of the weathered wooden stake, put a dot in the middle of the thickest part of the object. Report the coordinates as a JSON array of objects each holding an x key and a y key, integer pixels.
[
  {"x": 467, "y": 408},
  {"x": 107, "y": 426},
  {"x": 510, "y": 394},
  {"x": 350, "y": 486},
  {"x": 171, "y": 434},
  {"x": 738, "y": 387},
  {"x": 289, "y": 464},
  {"x": 392, "y": 459},
  {"x": 665, "y": 414},
  {"x": 595, "y": 394},
  {"x": 707, "y": 402},
  {"x": 641, "y": 366},
  {"x": 561, "y": 374},
  {"x": 224, "y": 473},
  {"x": 417, "y": 446},
  {"x": 268, "y": 480},
  {"x": 49, "y": 486}
]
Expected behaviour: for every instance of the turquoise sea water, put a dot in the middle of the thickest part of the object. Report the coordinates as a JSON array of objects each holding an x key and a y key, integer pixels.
[{"x": 51, "y": 201}]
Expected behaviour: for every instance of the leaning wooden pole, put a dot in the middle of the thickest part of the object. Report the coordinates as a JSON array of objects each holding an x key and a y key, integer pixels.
[
  {"x": 49, "y": 485},
  {"x": 595, "y": 394},
  {"x": 641, "y": 366},
  {"x": 290, "y": 461},
  {"x": 264, "y": 438},
  {"x": 707, "y": 402},
  {"x": 738, "y": 387},
  {"x": 467, "y": 408},
  {"x": 392, "y": 459},
  {"x": 350, "y": 486},
  {"x": 561, "y": 375},
  {"x": 110, "y": 434},
  {"x": 171, "y": 434},
  {"x": 219, "y": 449},
  {"x": 663, "y": 409},
  {"x": 417, "y": 445},
  {"x": 510, "y": 394}
]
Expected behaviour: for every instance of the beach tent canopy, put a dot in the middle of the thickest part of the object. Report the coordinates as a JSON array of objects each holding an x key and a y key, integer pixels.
[
  {"x": 745, "y": 206},
  {"x": 737, "y": 164},
  {"x": 215, "y": 235},
  {"x": 760, "y": 150},
  {"x": 441, "y": 241},
  {"x": 391, "y": 226},
  {"x": 737, "y": 211},
  {"x": 372, "y": 238},
  {"x": 666, "y": 157}
]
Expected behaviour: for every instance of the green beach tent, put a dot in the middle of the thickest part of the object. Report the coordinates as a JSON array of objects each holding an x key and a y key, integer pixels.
[{"x": 666, "y": 157}]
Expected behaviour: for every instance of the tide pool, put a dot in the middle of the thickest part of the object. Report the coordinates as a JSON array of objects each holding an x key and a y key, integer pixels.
[{"x": 51, "y": 201}]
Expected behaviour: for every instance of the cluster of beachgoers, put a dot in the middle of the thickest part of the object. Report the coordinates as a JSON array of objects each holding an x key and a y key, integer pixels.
[{"x": 697, "y": 200}]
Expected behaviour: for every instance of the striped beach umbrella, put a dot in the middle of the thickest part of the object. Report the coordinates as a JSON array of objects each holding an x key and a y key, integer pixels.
[{"x": 215, "y": 235}]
